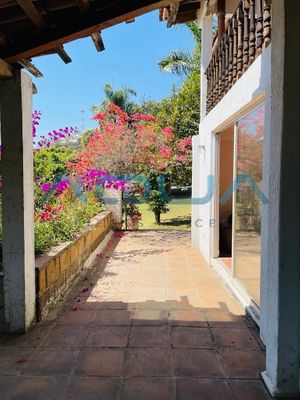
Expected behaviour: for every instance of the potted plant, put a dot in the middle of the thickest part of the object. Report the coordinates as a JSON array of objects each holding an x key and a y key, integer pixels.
[
  {"x": 131, "y": 196},
  {"x": 133, "y": 217}
]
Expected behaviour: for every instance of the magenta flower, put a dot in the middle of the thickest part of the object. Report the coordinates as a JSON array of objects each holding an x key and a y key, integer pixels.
[
  {"x": 46, "y": 187},
  {"x": 62, "y": 186}
]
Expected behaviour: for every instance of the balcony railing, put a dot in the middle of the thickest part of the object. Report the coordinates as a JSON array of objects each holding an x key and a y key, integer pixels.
[{"x": 246, "y": 35}]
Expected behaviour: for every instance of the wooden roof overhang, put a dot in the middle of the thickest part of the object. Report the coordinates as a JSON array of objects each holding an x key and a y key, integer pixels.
[
  {"x": 30, "y": 28},
  {"x": 180, "y": 12}
]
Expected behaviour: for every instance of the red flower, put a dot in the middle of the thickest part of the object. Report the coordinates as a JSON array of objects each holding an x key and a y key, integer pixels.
[
  {"x": 168, "y": 131},
  {"x": 99, "y": 116},
  {"x": 144, "y": 117},
  {"x": 46, "y": 216},
  {"x": 114, "y": 108}
]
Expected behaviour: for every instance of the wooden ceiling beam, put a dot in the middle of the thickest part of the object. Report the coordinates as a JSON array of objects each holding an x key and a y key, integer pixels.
[
  {"x": 98, "y": 42},
  {"x": 27, "y": 64},
  {"x": 56, "y": 5},
  {"x": 84, "y": 5},
  {"x": 2, "y": 40},
  {"x": 34, "y": 89},
  {"x": 165, "y": 14},
  {"x": 6, "y": 70},
  {"x": 174, "y": 7},
  {"x": 60, "y": 50},
  {"x": 83, "y": 25},
  {"x": 188, "y": 7},
  {"x": 32, "y": 13},
  {"x": 160, "y": 15},
  {"x": 186, "y": 17}
]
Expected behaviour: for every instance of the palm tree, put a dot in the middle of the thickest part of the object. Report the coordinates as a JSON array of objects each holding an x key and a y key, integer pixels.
[
  {"x": 182, "y": 62},
  {"x": 120, "y": 97}
]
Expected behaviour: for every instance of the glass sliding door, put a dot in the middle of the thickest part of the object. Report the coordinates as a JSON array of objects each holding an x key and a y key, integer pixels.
[{"x": 247, "y": 213}]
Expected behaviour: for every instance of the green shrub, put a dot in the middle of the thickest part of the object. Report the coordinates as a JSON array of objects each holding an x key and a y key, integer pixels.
[
  {"x": 157, "y": 204},
  {"x": 64, "y": 220}
]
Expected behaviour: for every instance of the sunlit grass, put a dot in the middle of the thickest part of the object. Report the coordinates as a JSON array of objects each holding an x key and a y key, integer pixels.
[{"x": 179, "y": 216}]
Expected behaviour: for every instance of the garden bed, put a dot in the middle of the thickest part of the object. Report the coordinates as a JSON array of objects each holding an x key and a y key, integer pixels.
[{"x": 56, "y": 270}]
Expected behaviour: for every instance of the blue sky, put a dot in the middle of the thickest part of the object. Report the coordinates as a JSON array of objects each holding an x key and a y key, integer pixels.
[{"x": 131, "y": 54}]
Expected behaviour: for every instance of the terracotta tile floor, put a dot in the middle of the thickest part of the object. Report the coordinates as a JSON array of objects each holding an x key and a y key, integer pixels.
[{"x": 155, "y": 324}]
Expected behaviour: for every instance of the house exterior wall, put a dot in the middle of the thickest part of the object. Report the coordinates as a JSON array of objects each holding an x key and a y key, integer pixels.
[
  {"x": 250, "y": 90},
  {"x": 280, "y": 288},
  {"x": 274, "y": 78}
]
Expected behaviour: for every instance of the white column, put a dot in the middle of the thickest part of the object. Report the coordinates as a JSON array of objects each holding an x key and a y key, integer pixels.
[
  {"x": 195, "y": 229},
  {"x": 17, "y": 201},
  {"x": 206, "y": 53},
  {"x": 280, "y": 286}
]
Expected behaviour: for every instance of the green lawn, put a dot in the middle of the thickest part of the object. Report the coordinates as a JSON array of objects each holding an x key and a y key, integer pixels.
[{"x": 179, "y": 216}]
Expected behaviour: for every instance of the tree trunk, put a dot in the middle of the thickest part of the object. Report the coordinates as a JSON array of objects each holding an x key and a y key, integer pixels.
[
  {"x": 153, "y": 181},
  {"x": 157, "y": 217}
]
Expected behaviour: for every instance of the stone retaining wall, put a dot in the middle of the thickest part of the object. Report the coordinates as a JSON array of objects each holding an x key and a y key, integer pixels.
[{"x": 56, "y": 270}]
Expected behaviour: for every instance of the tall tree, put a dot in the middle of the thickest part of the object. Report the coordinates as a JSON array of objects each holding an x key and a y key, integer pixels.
[
  {"x": 183, "y": 62},
  {"x": 121, "y": 97},
  {"x": 133, "y": 145}
]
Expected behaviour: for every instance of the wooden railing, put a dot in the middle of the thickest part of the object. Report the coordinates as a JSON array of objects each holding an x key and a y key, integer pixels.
[{"x": 246, "y": 35}]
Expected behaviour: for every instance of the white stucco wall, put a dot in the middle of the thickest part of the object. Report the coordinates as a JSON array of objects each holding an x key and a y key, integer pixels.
[{"x": 248, "y": 91}]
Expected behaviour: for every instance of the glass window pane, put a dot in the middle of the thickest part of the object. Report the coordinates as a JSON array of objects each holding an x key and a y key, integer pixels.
[{"x": 250, "y": 132}]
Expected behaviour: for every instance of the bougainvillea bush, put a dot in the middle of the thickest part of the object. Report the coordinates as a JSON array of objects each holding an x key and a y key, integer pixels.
[
  {"x": 63, "y": 205},
  {"x": 61, "y": 219},
  {"x": 133, "y": 145},
  {"x": 64, "y": 202}
]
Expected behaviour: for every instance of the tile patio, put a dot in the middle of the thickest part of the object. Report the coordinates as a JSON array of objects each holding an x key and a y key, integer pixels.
[{"x": 156, "y": 323}]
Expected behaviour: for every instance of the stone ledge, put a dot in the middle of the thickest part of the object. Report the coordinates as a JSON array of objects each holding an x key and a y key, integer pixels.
[{"x": 56, "y": 269}]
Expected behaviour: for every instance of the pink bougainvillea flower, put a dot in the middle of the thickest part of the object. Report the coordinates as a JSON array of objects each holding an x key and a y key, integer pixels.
[
  {"x": 118, "y": 234},
  {"x": 124, "y": 142},
  {"x": 166, "y": 152},
  {"x": 184, "y": 144},
  {"x": 99, "y": 116},
  {"x": 46, "y": 187},
  {"x": 47, "y": 140},
  {"x": 168, "y": 131},
  {"x": 74, "y": 308},
  {"x": 114, "y": 108},
  {"x": 143, "y": 117},
  {"x": 21, "y": 360},
  {"x": 62, "y": 186}
]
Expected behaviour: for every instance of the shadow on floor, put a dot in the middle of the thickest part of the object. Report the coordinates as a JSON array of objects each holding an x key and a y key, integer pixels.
[
  {"x": 95, "y": 345},
  {"x": 178, "y": 221}
]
